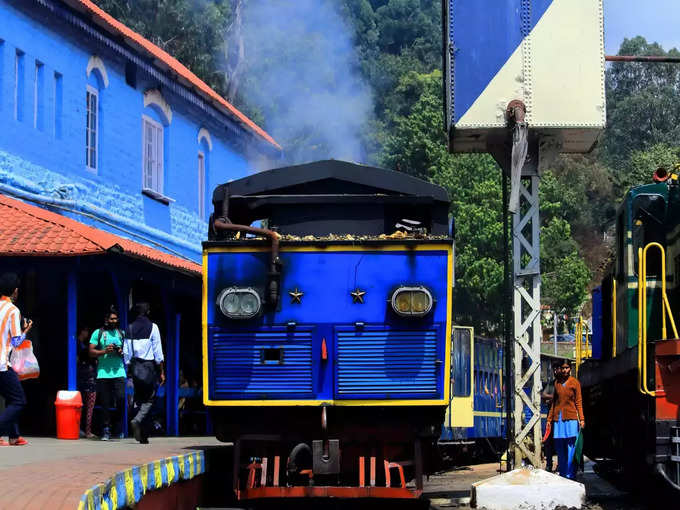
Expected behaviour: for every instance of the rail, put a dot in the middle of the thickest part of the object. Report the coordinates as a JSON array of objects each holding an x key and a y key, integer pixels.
[
  {"x": 583, "y": 351},
  {"x": 642, "y": 313}
]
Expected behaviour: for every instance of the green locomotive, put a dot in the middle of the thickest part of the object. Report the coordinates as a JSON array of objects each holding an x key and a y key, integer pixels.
[{"x": 632, "y": 382}]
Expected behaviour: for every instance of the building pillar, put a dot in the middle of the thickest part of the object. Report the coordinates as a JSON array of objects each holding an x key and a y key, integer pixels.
[
  {"x": 173, "y": 379},
  {"x": 173, "y": 322},
  {"x": 72, "y": 328}
]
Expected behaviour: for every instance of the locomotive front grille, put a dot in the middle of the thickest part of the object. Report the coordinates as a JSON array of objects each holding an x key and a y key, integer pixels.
[
  {"x": 386, "y": 363},
  {"x": 261, "y": 364}
]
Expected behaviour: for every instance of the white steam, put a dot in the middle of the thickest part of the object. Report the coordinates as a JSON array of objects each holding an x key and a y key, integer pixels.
[{"x": 303, "y": 75}]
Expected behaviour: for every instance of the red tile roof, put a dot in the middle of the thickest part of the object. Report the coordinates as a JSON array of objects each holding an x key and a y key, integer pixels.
[
  {"x": 30, "y": 231},
  {"x": 139, "y": 43}
]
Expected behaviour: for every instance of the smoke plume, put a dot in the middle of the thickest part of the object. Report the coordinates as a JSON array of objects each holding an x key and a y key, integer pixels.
[{"x": 302, "y": 73}]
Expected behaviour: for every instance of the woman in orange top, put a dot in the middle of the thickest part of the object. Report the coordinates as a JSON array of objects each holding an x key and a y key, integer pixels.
[{"x": 566, "y": 416}]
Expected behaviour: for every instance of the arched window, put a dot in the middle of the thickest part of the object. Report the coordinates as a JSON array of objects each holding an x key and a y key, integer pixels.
[
  {"x": 156, "y": 118},
  {"x": 97, "y": 80},
  {"x": 204, "y": 148}
]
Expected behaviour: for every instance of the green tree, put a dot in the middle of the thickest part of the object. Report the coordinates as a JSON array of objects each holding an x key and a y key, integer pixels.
[
  {"x": 643, "y": 163},
  {"x": 190, "y": 30},
  {"x": 642, "y": 106},
  {"x": 565, "y": 286},
  {"x": 564, "y": 274}
]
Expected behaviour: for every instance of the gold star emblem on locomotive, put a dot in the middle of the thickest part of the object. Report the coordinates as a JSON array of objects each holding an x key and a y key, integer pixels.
[
  {"x": 296, "y": 296},
  {"x": 358, "y": 295}
]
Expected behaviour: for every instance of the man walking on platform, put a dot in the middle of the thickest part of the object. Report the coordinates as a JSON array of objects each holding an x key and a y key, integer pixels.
[
  {"x": 11, "y": 335},
  {"x": 143, "y": 353}
]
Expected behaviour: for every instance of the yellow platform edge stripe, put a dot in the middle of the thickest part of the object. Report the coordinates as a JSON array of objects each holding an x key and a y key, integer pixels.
[{"x": 126, "y": 488}]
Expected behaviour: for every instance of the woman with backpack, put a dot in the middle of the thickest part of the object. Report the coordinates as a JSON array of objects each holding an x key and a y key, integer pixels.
[{"x": 106, "y": 344}]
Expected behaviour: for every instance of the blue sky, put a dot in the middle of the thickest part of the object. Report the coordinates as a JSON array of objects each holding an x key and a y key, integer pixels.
[{"x": 656, "y": 20}]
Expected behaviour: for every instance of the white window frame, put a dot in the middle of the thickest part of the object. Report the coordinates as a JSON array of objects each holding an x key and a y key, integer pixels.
[
  {"x": 156, "y": 185},
  {"x": 201, "y": 184},
  {"x": 91, "y": 91}
]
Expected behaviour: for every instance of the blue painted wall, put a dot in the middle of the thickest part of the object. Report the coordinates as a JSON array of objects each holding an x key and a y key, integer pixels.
[{"x": 44, "y": 154}]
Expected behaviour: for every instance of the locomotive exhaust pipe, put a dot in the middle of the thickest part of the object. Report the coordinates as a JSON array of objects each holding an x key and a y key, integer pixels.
[
  {"x": 274, "y": 275},
  {"x": 660, "y": 175}
]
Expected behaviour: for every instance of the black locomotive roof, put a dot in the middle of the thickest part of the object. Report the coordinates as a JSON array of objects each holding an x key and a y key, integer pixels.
[
  {"x": 335, "y": 197},
  {"x": 330, "y": 177}
]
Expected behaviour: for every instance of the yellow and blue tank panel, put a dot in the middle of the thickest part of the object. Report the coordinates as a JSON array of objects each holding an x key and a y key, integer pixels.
[
  {"x": 374, "y": 356},
  {"x": 534, "y": 51}
]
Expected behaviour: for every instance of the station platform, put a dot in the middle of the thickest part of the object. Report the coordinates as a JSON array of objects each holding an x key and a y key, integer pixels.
[{"x": 61, "y": 474}]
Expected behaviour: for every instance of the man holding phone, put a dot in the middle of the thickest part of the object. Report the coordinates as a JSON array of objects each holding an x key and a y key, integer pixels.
[
  {"x": 106, "y": 344},
  {"x": 12, "y": 333}
]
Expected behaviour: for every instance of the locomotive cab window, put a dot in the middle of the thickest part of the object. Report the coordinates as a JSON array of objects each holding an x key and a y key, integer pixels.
[{"x": 648, "y": 214}]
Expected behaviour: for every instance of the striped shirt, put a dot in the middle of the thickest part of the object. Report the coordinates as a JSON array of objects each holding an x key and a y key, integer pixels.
[{"x": 10, "y": 330}]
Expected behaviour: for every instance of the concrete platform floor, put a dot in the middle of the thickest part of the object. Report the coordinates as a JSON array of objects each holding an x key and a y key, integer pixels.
[{"x": 53, "y": 474}]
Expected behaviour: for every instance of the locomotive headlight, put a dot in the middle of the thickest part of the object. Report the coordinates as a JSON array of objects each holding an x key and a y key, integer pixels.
[
  {"x": 239, "y": 302},
  {"x": 412, "y": 301}
]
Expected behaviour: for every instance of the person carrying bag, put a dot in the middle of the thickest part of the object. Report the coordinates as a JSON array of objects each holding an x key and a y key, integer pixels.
[{"x": 143, "y": 356}]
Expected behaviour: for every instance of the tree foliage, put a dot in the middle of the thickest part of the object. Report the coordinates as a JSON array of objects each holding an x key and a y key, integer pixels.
[
  {"x": 190, "y": 30},
  {"x": 642, "y": 107}
]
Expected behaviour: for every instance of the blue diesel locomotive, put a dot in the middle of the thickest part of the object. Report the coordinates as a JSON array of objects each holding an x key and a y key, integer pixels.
[{"x": 326, "y": 335}]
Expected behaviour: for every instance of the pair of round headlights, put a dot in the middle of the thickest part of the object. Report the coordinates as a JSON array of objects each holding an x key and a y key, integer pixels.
[
  {"x": 239, "y": 302},
  {"x": 245, "y": 303},
  {"x": 412, "y": 301}
]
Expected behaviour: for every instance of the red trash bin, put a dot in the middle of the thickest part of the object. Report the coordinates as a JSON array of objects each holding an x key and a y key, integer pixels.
[{"x": 69, "y": 404}]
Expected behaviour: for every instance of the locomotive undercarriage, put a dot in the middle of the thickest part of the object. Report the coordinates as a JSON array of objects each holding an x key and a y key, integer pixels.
[{"x": 346, "y": 452}]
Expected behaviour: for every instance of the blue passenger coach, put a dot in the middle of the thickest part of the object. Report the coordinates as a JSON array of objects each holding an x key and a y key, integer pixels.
[
  {"x": 477, "y": 413},
  {"x": 329, "y": 330}
]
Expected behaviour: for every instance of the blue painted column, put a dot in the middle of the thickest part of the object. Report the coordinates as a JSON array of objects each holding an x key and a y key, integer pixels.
[
  {"x": 172, "y": 319},
  {"x": 72, "y": 328},
  {"x": 173, "y": 379}
]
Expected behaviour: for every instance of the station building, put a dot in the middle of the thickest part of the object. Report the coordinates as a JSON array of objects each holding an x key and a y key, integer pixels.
[{"x": 109, "y": 151}]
